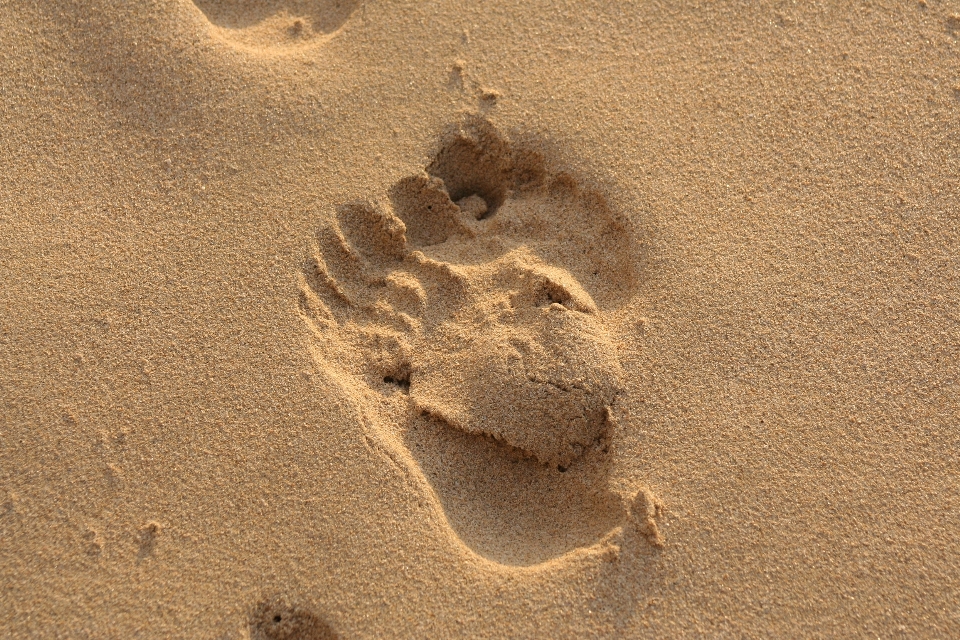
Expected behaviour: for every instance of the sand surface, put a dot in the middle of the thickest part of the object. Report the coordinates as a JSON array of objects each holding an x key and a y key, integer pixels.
[{"x": 505, "y": 319}]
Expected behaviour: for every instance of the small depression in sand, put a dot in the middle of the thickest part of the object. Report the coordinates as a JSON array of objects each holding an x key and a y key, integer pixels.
[
  {"x": 466, "y": 312},
  {"x": 279, "y": 620},
  {"x": 268, "y": 24}
]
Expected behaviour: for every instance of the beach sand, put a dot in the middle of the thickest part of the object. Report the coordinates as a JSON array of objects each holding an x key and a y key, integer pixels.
[{"x": 520, "y": 319}]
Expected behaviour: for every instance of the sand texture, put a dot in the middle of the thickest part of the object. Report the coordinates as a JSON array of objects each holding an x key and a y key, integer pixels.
[{"x": 352, "y": 319}]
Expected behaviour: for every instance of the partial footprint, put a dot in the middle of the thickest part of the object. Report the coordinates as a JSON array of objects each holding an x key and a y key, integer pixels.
[
  {"x": 265, "y": 24},
  {"x": 468, "y": 307}
]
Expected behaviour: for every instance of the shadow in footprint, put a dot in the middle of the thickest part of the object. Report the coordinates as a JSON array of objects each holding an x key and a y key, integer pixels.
[
  {"x": 504, "y": 505},
  {"x": 267, "y": 23},
  {"x": 469, "y": 305}
]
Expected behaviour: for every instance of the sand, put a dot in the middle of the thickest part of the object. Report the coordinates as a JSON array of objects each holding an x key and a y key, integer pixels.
[{"x": 515, "y": 319}]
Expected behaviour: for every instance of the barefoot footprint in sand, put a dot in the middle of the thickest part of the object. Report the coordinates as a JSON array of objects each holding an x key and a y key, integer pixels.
[
  {"x": 276, "y": 24},
  {"x": 468, "y": 306}
]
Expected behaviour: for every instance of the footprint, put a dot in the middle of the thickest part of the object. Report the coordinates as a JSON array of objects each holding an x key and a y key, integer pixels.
[
  {"x": 468, "y": 308},
  {"x": 264, "y": 24}
]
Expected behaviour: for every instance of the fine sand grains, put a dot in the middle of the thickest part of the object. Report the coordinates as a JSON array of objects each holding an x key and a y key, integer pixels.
[{"x": 439, "y": 319}]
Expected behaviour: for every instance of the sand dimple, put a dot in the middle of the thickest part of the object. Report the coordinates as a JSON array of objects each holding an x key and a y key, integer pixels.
[
  {"x": 276, "y": 23},
  {"x": 468, "y": 307},
  {"x": 279, "y": 620}
]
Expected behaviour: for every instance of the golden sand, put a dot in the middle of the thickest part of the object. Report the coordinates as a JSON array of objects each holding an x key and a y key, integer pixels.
[{"x": 352, "y": 319}]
